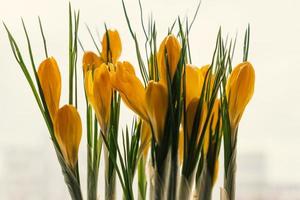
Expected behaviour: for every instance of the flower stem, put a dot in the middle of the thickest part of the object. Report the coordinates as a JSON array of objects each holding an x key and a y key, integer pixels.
[
  {"x": 142, "y": 182},
  {"x": 230, "y": 176},
  {"x": 205, "y": 191},
  {"x": 110, "y": 187}
]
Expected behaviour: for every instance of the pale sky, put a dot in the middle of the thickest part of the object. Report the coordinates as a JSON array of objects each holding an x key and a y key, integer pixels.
[{"x": 270, "y": 125}]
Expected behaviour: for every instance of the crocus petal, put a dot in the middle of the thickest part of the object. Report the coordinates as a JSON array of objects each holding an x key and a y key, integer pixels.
[
  {"x": 171, "y": 47},
  {"x": 145, "y": 137},
  {"x": 191, "y": 113},
  {"x": 157, "y": 106},
  {"x": 203, "y": 70},
  {"x": 239, "y": 90},
  {"x": 130, "y": 87},
  {"x": 50, "y": 80},
  {"x": 115, "y": 46},
  {"x": 68, "y": 130},
  {"x": 102, "y": 90},
  {"x": 194, "y": 83},
  {"x": 90, "y": 61}
]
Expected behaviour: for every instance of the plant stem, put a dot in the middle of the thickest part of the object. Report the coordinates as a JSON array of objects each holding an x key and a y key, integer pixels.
[
  {"x": 110, "y": 187},
  {"x": 173, "y": 172},
  {"x": 230, "y": 162},
  {"x": 229, "y": 179},
  {"x": 110, "y": 178},
  {"x": 142, "y": 181},
  {"x": 184, "y": 188},
  {"x": 92, "y": 182},
  {"x": 205, "y": 184},
  {"x": 158, "y": 187},
  {"x": 71, "y": 176}
]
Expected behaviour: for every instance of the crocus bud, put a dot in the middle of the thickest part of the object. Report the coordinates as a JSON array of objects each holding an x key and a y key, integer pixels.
[
  {"x": 50, "y": 81},
  {"x": 68, "y": 130},
  {"x": 170, "y": 48},
  {"x": 144, "y": 102},
  {"x": 111, "y": 46},
  {"x": 99, "y": 91},
  {"x": 157, "y": 106},
  {"x": 239, "y": 91},
  {"x": 194, "y": 83},
  {"x": 191, "y": 114}
]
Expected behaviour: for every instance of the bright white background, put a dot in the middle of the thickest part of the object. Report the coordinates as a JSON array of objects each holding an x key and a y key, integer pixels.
[{"x": 268, "y": 146}]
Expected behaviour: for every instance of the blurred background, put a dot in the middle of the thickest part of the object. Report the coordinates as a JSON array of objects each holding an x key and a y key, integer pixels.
[{"x": 268, "y": 144}]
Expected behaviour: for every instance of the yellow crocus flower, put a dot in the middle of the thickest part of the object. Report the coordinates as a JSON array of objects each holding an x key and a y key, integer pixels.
[
  {"x": 191, "y": 113},
  {"x": 130, "y": 88},
  {"x": 239, "y": 91},
  {"x": 90, "y": 61},
  {"x": 194, "y": 83},
  {"x": 144, "y": 102},
  {"x": 115, "y": 46},
  {"x": 68, "y": 130},
  {"x": 157, "y": 106},
  {"x": 170, "y": 48},
  {"x": 50, "y": 81},
  {"x": 99, "y": 91}
]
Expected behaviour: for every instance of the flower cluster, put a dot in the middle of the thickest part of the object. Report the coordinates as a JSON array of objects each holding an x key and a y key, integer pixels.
[
  {"x": 184, "y": 112},
  {"x": 151, "y": 101},
  {"x": 66, "y": 120}
]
